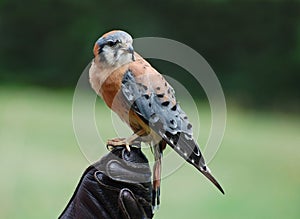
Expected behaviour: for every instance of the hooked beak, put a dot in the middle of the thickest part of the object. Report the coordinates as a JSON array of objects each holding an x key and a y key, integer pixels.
[{"x": 131, "y": 51}]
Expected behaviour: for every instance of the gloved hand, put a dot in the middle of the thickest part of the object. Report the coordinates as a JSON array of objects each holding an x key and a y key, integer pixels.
[{"x": 117, "y": 186}]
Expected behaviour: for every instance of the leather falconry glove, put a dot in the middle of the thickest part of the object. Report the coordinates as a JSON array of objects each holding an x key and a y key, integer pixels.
[{"x": 118, "y": 186}]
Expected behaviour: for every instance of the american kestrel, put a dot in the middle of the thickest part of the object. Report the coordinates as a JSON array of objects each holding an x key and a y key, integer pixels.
[{"x": 143, "y": 99}]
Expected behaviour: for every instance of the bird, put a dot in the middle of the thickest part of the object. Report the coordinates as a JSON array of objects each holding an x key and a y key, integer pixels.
[{"x": 146, "y": 102}]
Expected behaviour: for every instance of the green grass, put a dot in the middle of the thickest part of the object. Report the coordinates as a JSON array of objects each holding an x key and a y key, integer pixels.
[{"x": 41, "y": 163}]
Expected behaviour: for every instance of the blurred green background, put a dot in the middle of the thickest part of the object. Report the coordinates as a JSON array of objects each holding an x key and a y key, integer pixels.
[{"x": 254, "y": 48}]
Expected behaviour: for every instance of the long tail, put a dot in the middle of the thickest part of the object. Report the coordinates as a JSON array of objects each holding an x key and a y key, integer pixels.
[
  {"x": 158, "y": 153},
  {"x": 187, "y": 148}
]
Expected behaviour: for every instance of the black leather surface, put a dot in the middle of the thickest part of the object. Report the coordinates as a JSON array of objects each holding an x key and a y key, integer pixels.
[{"x": 117, "y": 186}]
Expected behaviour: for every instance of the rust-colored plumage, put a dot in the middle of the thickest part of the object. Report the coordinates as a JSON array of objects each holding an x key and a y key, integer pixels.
[{"x": 143, "y": 99}]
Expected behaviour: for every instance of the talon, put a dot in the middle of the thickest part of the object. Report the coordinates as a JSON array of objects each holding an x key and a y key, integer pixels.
[
  {"x": 127, "y": 147},
  {"x": 116, "y": 142},
  {"x": 109, "y": 147},
  {"x": 123, "y": 142}
]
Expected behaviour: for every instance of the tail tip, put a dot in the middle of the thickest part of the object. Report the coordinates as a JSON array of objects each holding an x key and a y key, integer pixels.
[
  {"x": 206, "y": 171},
  {"x": 221, "y": 190}
]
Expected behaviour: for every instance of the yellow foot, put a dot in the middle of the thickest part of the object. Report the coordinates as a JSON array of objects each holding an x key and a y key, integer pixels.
[{"x": 117, "y": 142}]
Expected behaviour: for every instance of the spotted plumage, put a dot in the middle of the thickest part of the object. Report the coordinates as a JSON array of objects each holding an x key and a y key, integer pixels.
[{"x": 143, "y": 99}]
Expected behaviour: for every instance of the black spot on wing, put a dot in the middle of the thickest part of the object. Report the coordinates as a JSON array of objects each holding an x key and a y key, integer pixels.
[
  {"x": 167, "y": 120},
  {"x": 161, "y": 95},
  {"x": 166, "y": 103},
  {"x": 161, "y": 116},
  {"x": 174, "y": 108},
  {"x": 186, "y": 147}
]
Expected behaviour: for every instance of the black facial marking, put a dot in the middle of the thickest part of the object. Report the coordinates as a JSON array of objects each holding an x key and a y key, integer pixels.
[
  {"x": 100, "y": 49},
  {"x": 112, "y": 43}
]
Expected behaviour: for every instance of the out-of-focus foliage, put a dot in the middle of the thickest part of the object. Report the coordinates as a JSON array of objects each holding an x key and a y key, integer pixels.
[
  {"x": 41, "y": 163},
  {"x": 253, "y": 46}
]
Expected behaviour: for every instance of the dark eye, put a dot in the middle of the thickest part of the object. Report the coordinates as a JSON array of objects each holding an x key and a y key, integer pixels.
[{"x": 112, "y": 43}]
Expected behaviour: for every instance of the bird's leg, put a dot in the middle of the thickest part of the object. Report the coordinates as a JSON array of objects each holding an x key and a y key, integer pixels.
[
  {"x": 158, "y": 152},
  {"x": 156, "y": 183},
  {"x": 126, "y": 142}
]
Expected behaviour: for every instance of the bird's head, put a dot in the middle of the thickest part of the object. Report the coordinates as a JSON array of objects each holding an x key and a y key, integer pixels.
[{"x": 114, "y": 49}]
